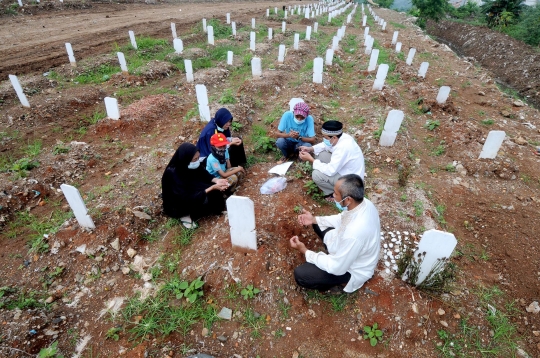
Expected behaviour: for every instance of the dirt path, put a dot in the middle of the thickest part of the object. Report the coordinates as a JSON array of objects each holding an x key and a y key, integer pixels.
[{"x": 39, "y": 41}]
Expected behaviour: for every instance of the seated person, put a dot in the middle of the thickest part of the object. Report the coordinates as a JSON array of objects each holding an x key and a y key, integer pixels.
[
  {"x": 221, "y": 124},
  {"x": 351, "y": 238},
  {"x": 338, "y": 155},
  {"x": 189, "y": 192},
  {"x": 218, "y": 163},
  {"x": 296, "y": 128}
]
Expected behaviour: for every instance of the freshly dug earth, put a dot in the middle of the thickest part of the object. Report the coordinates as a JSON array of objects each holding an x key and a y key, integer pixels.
[
  {"x": 513, "y": 62},
  {"x": 430, "y": 178}
]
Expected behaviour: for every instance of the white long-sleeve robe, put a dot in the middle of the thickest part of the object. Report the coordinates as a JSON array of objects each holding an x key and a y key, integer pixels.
[
  {"x": 347, "y": 158},
  {"x": 352, "y": 247}
]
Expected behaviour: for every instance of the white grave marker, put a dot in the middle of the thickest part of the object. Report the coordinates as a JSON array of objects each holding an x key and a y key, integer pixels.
[
  {"x": 189, "y": 70},
  {"x": 267, "y": 12},
  {"x": 229, "y": 57},
  {"x": 423, "y": 69},
  {"x": 317, "y": 70},
  {"x": 492, "y": 144},
  {"x": 20, "y": 3},
  {"x": 384, "y": 26},
  {"x": 122, "y": 60},
  {"x": 283, "y": 26},
  {"x": 241, "y": 213},
  {"x": 17, "y": 86},
  {"x": 76, "y": 203},
  {"x": 315, "y": 27},
  {"x": 228, "y": 15},
  {"x": 293, "y": 102},
  {"x": 329, "y": 57},
  {"x": 204, "y": 24},
  {"x": 111, "y": 105},
  {"x": 308, "y": 33},
  {"x": 269, "y": 33},
  {"x": 391, "y": 127},
  {"x": 369, "y": 45},
  {"x": 281, "y": 53},
  {"x": 173, "y": 30},
  {"x": 444, "y": 91},
  {"x": 202, "y": 100},
  {"x": 296, "y": 41},
  {"x": 366, "y": 32},
  {"x": 256, "y": 69},
  {"x": 373, "y": 60},
  {"x": 253, "y": 23},
  {"x": 394, "y": 37},
  {"x": 285, "y": 16},
  {"x": 132, "y": 39},
  {"x": 410, "y": 56},
  {"x": 252, "y": 41},
  {"x": 71, "y": 57},
  {"x": 178, "y": 45},
  {"x": 335, "y": 43},
  {"x": 437, "y": 245},
  {"x": 398, "y": 47},
  {"x": 233, "y": 25},
  {"x": 210, "y": 30},
  {"x": 380, "y": 77},
  {"x": 275, "y": 10},
  {"x": 364, "y": 20}
]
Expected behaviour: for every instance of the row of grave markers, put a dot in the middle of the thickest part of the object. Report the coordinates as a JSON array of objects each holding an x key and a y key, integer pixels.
[{"x": 436, "y": 244}]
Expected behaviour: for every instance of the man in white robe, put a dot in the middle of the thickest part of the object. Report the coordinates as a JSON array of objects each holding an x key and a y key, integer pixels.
[
  {"x": 337, "y": 155},
  {"x": 352, "y": 239}
]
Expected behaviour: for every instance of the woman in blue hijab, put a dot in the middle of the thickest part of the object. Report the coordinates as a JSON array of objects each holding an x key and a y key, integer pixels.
[{"x": 221, "y": 123}]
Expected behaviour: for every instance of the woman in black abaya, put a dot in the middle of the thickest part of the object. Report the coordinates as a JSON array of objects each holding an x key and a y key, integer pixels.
[{"x": 189, "y": 192}]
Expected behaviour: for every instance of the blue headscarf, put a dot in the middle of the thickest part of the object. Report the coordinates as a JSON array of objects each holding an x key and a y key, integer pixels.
[{"x": 222, "y": 116}]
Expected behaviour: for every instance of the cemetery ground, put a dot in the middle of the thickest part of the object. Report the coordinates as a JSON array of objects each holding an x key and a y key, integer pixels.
[{"x": 124, "y": 290}]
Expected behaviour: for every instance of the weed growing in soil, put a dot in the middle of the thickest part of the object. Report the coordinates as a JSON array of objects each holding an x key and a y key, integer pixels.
[
  {"x": 313, "y": 190},
  {"x": 373, "y": 334},
  {"x": 249, "y": 292},
  {"x": 469, "y": 339},
  {"x": 337, "y": 302},
  {"x": 50, "y": 352},
  {"x": 227, "y": 98},
  {"x": 184, "y": 236},
  {"x": 15, "y": 298},
  {"x": 255, "y": 322},
  {"x": 488, "y": 122},
  {"x": 432, "y": 125},
  {"x": 418, "y": 208},
  {"x": 97, "y": 75}
]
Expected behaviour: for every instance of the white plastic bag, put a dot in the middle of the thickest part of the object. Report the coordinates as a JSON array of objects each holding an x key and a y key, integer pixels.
[{"x": 274, "y": 185}]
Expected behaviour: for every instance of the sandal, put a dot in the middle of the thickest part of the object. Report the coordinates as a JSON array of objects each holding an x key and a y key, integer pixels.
[{"x": 188, "y": 223}]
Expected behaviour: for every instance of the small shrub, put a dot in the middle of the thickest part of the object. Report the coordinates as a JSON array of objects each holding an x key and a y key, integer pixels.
[
  {"x": 227, "y": 98},
  {"x": 112, "y": 333},
  {"x": 60, "y": 148},
  {"x": 313, "y": 190}
]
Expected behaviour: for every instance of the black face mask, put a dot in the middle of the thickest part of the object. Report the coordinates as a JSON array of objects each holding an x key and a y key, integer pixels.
[{"x": 219, "y": 154}]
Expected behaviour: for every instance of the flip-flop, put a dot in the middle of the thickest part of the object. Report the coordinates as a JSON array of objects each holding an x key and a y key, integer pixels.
[{"x": 188, "y": 223}]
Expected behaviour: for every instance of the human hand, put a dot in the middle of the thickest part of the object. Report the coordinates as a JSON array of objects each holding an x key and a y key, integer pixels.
[
  {"x": 303, "y": 148},
  {"x": 306, "y": 218},
  {"x": 236, "y": 141},
  {"x": 240, "y": 169},
  {"x": 305, "y": 156},
  {"x": 221, "y": 184},
  {"x": 297, "y": 244}
]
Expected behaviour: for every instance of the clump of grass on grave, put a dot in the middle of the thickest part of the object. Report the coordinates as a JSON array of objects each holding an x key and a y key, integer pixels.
[
  {"x": 95, "y": 117},
  {"x": 397, "y": 25},
  {"x": 227, "y": 97},
  {"x": 378, "y": 132},
  {"x": 255, "y": 322},
  {"x": 18, "y": 298},
  {"x": 312, "y": 189},
  {"x": 337, "y": 302},
  {"x": 273, "y": 115},
  {"x": 221, "y": 31},
  {"x": 439, "y": 278},
  {"x": 439, "y": 150},
  {"x": 469, "y": 339},
  {"x": 488, "y": 122},
  {"x": 97, "y": 75},
  {"x": 432, "y": 125},
  {"x": 184, "y": 236},
  {"x": 262, "y": 142}
]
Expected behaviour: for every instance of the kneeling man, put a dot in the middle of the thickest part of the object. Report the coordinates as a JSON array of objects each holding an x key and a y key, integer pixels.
[{"x": 352, "y": 239}]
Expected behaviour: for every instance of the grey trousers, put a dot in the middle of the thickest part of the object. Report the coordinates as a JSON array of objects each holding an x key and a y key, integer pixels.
[{"x": 324, "y": 182}]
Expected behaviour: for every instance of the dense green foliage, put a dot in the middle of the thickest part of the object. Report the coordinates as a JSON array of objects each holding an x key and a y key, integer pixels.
[
  {"x": 385, "y": 3},
  {"x": 508, "y": 16},
  {"x": 430, "y": 10}
]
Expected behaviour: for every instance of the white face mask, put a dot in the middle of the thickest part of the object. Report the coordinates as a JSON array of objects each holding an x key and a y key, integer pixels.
[{"x": 194, "y": 165}]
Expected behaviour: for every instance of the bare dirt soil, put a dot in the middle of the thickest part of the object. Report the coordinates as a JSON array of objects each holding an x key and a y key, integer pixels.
[{"x": 491, "y": 206}]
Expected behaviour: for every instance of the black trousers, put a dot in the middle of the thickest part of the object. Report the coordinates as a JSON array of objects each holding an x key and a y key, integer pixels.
[{"x": 310, "y": 276}]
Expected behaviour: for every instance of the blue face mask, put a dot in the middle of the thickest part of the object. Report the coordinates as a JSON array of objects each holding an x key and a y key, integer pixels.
[
  {"x": 219, "y": 128},
  {"x": 327, "y": 142},
  {"x": 297, "y": 121},
  {"x": 338, "y": 205},
  {"x": 194, "y": 165}
]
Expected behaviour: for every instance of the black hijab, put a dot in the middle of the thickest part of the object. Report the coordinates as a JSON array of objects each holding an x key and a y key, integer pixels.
[{"x": 182, "y": 186}]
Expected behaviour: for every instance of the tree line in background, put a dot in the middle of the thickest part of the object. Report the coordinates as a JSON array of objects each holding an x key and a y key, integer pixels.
[{"x": 511, "y": 17}]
